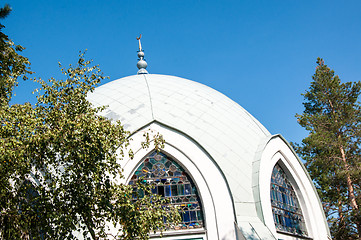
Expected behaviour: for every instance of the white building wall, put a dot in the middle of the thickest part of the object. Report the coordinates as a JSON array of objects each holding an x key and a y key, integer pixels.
[
  {"x": 219, "y": 143},
  {"x": 277, "y": 150},
  {"x": 214, "y": 192}
]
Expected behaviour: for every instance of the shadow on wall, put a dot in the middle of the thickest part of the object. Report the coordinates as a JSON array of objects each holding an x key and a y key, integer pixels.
[
  {"x": 239, "y": 236},
  {"x": 249, "y": 237},
  {"x": 246, "y": 234}
]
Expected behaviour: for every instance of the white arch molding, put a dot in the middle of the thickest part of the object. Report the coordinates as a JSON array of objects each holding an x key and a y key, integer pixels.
[
  {"x": 205, "y": 130},
  {"x": 277, "y": 150},
  {"x": 217, "y": 204}
]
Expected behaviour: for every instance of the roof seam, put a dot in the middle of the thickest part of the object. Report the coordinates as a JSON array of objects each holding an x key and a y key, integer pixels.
[{"x": 150, "y": 97}]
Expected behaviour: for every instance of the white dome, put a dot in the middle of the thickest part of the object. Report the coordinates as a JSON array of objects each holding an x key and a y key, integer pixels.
[
  {"x": 240, "y": 152},
  {"x": 222, "y": 127}
]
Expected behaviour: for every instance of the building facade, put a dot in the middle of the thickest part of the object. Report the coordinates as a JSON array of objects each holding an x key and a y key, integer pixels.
[{"x": 231, "y": 177}]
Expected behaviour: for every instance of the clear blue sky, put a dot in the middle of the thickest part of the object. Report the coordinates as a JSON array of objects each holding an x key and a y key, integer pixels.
[{"x": 261, "y": 54}]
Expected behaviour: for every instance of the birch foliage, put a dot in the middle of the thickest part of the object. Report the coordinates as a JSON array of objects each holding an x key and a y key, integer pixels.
[{"x": 59, "y": 160}]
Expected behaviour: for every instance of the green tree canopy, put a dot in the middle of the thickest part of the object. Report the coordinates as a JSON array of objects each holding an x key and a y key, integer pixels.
[
  {"x": 12, "y": 64},
  {"x": 332, "y": 116},
  {"x": 59, "y": 161}
]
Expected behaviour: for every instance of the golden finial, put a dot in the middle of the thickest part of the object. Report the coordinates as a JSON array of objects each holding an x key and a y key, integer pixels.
[
  {"x": 140, "y": 45},
  {"x": 142, "y": 64}
]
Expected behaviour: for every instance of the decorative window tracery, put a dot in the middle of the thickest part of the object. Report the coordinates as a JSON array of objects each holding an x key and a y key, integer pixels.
[
  {"x": 172, "y": 182},
  {"x": 286, "y": 210}
]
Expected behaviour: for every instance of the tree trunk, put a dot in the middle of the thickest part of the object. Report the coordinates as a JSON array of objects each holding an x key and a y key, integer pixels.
[
  {"x": 351, "y": 191},
  {"x": 89, "y": 225}
]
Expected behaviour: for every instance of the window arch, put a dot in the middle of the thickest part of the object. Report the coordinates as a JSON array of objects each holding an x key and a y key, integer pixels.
[
  {"x": 172, "y": 182},
  {"x": 286, "y": 210}
]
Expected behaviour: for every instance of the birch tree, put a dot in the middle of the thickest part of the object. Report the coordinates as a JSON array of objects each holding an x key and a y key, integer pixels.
[{"x": 59, "y": 160}]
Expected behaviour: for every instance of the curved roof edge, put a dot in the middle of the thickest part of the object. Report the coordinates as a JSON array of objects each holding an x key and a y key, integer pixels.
[
  {"x": 197, "y": 144},
  {"x": 256, "y": 168}
]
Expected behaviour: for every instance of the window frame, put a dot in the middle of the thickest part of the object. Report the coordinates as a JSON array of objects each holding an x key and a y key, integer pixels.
[
  {"x": 275, "y": 149},
  {"x": 185, "y": 178},
  {"x": 296, "y": 203}
]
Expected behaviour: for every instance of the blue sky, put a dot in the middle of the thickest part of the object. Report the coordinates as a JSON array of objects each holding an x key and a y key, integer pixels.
[{"x": 261, "y": 54}]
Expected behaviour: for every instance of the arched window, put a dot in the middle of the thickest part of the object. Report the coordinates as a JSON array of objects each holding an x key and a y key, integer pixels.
[
  {"x": 172, "y": 182},
  {"x": 287, "y": 213}
]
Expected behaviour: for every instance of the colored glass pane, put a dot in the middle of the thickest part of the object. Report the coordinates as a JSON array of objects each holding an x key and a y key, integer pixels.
[
  {"x": 287, "y": 213},
  {"x": 172, "y": 182}
]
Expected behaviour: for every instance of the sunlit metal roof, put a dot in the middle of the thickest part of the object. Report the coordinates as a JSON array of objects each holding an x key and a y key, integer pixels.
[{"x": 222, "y": 127}]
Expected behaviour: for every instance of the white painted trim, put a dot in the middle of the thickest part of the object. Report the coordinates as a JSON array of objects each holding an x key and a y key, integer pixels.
[
  {"x": 212, "y": 187},
  {"x": 277, "y": 151}
]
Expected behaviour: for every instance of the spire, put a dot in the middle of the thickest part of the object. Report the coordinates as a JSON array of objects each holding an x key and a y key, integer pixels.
[{"x": 142, "y": 64}]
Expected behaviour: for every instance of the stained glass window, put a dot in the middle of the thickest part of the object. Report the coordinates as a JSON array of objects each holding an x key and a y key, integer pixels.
[
  {"x": 287, "y": 213},
  {"x": 172, "y": 182}
]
